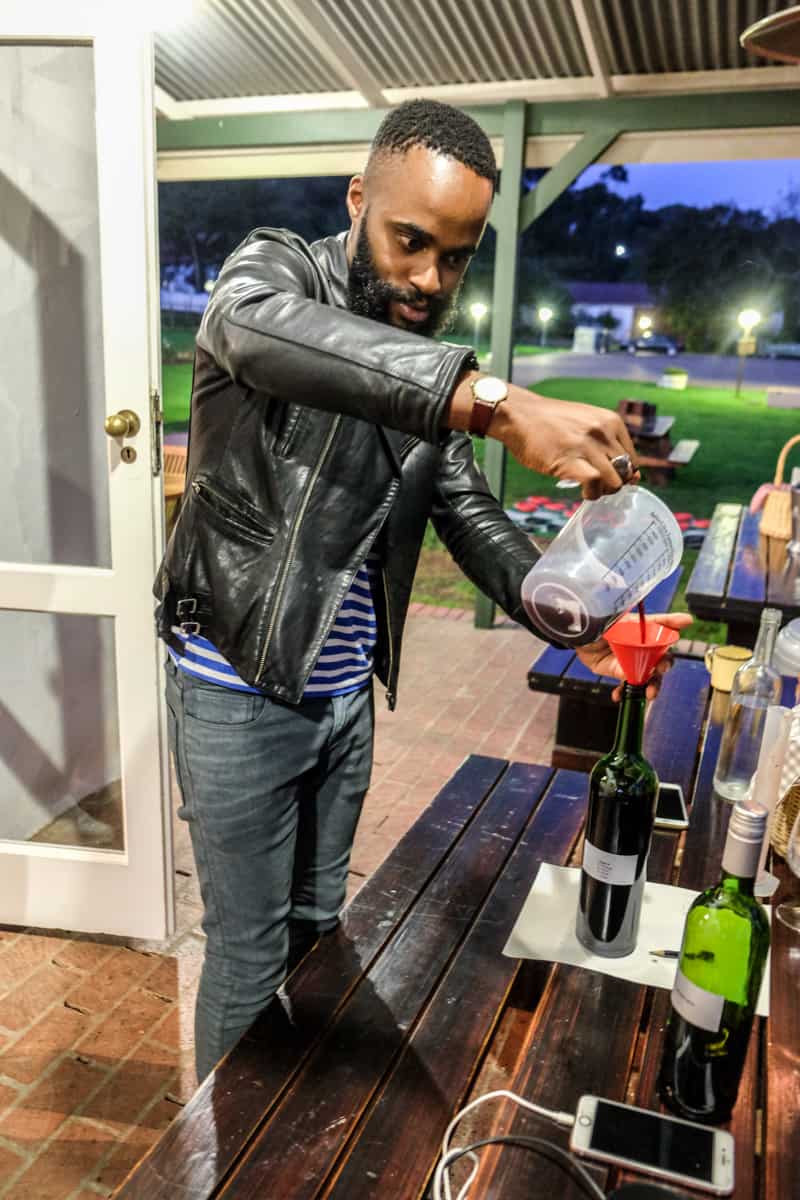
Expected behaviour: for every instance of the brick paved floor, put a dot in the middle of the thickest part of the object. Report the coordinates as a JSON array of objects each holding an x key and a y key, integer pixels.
[{"x": 96, "y": 1039}]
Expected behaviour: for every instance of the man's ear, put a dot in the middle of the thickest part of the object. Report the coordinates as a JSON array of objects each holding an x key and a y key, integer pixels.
[{"x": 355, "y": 197}]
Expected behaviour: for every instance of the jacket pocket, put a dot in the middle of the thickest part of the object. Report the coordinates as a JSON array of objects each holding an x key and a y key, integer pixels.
[
  {"x": 291, "y": 425},
  {"x": 225, "y": 509}
]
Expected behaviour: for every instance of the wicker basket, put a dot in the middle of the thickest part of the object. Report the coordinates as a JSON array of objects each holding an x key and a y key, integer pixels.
[
  {"x": 776, "y": 517},
  {"x": 784, "y": 817}
]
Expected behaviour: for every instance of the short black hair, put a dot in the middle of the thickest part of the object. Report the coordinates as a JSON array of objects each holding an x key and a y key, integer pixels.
[{"x": 438, "y": 127}]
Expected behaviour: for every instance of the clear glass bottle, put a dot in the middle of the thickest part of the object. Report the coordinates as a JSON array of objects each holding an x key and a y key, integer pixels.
[
  {"x": 756, "y": 686},
  {"x": 722, "y": 960}
]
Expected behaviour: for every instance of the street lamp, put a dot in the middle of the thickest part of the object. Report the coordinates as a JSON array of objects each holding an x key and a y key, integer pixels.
[
  {"x": 477, "y": 311},
  {"x": 748, "y": 318},
  {"x": 645, "y": 323},
  {"x": 620, "y": 249},
  {"x": 544, "y": 314}
]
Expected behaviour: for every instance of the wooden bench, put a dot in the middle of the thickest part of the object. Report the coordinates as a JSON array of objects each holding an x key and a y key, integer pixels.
[
  {"x": 651, "y": 434},
  {"x": 174, "y": 471},
  {"x": 410, "y": 1009},
  {"x": 637, "y": 414},
  {"x": 587, "y": 715},
  {"x": 661, "y": 469}
]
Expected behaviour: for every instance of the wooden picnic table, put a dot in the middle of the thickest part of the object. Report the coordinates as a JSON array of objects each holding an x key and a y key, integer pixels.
[
  {"x": 737, "y": 574},
  {"x": 392, "y": 1023},
  {"x": 653, "y": 438}
]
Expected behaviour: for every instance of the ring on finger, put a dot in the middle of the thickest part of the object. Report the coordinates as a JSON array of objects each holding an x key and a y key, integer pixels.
[{"x": 623, "y": 466}]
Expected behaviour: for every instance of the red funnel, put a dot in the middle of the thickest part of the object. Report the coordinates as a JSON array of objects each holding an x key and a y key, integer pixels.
[{"x": 638, "y": 658}]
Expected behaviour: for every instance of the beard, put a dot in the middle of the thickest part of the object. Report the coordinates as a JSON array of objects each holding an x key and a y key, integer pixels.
[{"x": 370, "y": 296}]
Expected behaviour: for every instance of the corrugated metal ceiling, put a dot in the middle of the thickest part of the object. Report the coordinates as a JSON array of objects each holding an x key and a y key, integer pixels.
[{"x": 239, "y": 48}]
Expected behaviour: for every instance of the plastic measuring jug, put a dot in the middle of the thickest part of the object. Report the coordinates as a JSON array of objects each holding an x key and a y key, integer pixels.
[{"x": 608, "y": 556}]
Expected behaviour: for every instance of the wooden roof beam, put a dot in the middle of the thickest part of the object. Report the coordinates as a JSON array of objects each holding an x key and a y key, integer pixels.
[{"x": 589, "y": 29}]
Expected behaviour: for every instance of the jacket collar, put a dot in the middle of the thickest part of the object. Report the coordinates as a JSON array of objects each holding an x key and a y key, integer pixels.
[{"x": 331, "y": 254}]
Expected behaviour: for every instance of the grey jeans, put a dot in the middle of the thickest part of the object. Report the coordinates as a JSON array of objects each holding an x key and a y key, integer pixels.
[{"x": 272, "y": 794}]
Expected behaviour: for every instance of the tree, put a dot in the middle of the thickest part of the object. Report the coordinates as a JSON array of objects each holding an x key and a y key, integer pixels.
[
  {"x": 201, "y": 222},
  {"x": 708, "y": 263}
]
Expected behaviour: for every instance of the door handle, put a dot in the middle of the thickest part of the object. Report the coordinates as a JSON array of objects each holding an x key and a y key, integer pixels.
[{"x": 124, "y": 423}]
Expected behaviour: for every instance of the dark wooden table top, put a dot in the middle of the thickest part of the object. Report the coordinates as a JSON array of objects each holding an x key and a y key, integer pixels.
[
  {"x": 738, "y": 572},
  {"x": 410, "y": 1009}
]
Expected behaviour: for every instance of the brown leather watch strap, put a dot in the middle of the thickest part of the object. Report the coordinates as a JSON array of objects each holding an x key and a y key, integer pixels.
[
  {"x": 481, "y": 415},
  {"x": 487, "y": 393}
]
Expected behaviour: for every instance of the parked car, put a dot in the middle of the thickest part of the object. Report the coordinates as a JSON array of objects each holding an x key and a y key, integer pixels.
[{"x": 653, "y": 343}]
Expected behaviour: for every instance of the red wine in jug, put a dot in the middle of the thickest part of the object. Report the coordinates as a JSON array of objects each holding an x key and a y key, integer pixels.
[{"x": 561, "y": 614}]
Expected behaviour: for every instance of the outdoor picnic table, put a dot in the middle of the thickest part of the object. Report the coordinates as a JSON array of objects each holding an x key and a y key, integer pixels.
[
  {"x": 653, "y": 438},
  {"x": 410, "y": 1009},
  {"x": 737, "y": 573}
]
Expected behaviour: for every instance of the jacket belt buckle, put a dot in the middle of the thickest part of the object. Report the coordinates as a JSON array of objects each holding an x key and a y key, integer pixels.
[{"x": 187, "y": 608}]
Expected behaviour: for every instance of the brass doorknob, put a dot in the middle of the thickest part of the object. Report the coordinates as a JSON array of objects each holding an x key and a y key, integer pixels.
[{"x": 125, "y": 423}]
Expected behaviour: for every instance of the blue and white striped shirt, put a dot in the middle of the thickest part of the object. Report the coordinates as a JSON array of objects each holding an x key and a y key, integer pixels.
[{"x": 345, "y": 661}]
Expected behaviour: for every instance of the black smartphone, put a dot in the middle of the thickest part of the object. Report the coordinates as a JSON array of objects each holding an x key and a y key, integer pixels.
[{"x": 671, "y": 807}]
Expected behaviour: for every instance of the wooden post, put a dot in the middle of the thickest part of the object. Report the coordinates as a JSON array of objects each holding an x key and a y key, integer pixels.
[{"x": 506, "y": 218}]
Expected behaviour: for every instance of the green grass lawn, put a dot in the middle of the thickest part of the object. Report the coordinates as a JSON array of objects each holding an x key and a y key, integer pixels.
[
  {"x": 177, "y": 339},
  {"x": 176, "y": 380}
]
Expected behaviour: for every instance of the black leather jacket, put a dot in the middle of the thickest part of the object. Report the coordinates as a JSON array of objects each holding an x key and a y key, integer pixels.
[{"x": 315, "y": 437}]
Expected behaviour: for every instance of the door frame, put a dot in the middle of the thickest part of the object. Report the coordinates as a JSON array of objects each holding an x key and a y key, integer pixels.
[{"x": 128, "y": 892}]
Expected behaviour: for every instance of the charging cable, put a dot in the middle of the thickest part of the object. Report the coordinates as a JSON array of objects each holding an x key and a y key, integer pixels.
[
  {"x": 441, "y": 1179},
  {"x": 539, "y": 1146}
]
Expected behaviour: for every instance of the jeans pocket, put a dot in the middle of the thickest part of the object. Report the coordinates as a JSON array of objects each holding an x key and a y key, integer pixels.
[{"x": 213, "y": 705}]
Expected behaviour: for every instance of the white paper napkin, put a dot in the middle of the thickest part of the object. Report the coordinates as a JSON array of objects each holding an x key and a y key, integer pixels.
[{"x": 545, "y": 928}]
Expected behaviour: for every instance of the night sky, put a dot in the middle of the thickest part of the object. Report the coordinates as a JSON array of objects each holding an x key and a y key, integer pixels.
[{"x": 749, "y": 184}]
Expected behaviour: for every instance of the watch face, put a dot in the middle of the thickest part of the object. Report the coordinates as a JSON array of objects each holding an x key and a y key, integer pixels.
[{"x": 491, "y": 389}]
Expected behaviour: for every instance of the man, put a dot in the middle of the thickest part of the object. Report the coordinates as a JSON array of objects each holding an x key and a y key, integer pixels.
[{"x": 327, "y": 427}]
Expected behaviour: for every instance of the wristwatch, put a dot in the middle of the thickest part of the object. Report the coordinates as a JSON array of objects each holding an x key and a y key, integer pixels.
[{"x": 487, "y": 392}]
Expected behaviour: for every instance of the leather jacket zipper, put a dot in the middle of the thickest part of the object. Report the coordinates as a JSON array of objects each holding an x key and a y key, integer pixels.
[
  {"x": 391, "y": 699},
  {"x": 287, "y": 562},
  {"x": 230, "y": 511}
]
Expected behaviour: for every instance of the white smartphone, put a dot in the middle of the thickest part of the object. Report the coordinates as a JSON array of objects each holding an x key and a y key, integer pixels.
[
  {"x": 671, "y": 807},
  {"x": 679, "y": 1151}
]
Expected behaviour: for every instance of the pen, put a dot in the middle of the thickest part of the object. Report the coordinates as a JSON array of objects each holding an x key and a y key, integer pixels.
[{"x": 704, "y": 955}]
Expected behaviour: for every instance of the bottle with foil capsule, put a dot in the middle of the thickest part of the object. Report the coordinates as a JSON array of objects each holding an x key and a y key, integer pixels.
[
  {"x": 723, "y": 954},
  {"x": 622, "y": 799}
]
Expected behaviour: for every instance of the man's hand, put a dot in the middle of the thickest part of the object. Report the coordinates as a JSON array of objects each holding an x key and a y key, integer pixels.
[
  {"x": 554, "y": 437},
  {"x": 599, "y": 657},
  {"x": 564, "y": 439}
]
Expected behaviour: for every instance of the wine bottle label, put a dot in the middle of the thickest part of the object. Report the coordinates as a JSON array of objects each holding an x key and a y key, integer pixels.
[
  {"x": 697, "y": 1006},
  {"x": 607, "y": 867}
]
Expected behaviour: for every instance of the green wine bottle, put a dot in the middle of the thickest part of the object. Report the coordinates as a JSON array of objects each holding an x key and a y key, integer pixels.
[
  {"x": 622, "y": 800},
  {"x": 725, "y": 944}
]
